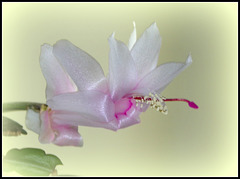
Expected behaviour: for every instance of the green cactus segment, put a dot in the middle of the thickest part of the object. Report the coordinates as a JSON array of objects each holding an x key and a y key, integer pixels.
[
  {"x": 30, "y": 162},
  {"x": 12, "y": 128}
]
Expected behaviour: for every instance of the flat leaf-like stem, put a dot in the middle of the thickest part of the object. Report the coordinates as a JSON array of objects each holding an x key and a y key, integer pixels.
[
  {"x": 12, "y": 128},
  {"x": 30, "y": 162},
  {"x": 16, "y": 106}
]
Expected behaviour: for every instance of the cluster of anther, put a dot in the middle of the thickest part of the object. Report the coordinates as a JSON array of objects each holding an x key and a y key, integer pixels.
[{"x": 155, "y": 101}]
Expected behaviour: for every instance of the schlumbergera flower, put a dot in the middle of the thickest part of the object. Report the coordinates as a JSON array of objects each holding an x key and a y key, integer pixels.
[{"x": 78, "y": 93}]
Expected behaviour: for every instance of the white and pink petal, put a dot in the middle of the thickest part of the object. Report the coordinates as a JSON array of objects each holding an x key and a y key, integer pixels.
[
  {"x": 146, "y": 50},
  {"x": 133, "y": 37},
  {"x": 67, "y": 135},
  {"x": 33, "y": 121},
  {"x": 47, "y": 134},
  {"x": 58, "y": 81},
  {"x": 122, "y": 71},
  {"x": 90, "y": 105},
  {"x": 85, "y": 71},
  {"x": 130, "y": 118},
  {"x": 73, "y": 118},
  {"x": 158, "y": 79},
  {"x": 51, "y": 132},
  {"x": 125, "y": 114}
]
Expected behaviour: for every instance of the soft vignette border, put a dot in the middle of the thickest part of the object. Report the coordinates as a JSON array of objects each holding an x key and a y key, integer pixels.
[{"x": 230, "y": 99}]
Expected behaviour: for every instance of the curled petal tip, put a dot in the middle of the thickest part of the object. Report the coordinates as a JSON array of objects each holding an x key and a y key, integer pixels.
[
  {"x": 80, "y": 143},
  {"x": 112, "y": 36},
  {"x": 45, "y": 44},
  {"x": 193, "y": 105},
  {"x": 134, "y": 24},
  {"x": 189, "y": 59},
  {"x": 154, "y": 24}
]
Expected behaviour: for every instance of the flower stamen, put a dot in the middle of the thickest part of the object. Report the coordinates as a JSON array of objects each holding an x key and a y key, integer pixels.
[
  {"x": 155, "y": 102},
  {"x": 158, "y": 102}
]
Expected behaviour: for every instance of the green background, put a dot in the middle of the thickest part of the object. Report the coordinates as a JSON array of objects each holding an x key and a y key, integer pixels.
[{"x": 186, "y": 142}]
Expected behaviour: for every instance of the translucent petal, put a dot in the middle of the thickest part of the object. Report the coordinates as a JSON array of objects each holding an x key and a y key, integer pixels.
[
  {"x": 130, "y": 119},
  {"x": 33, "y": 121},
  {"x": 85, "y": 71},
  {"x": 133, "y": 37},
  {"x": 122, "y": 71},
  {"x": 57, "y": 79},
  {"x": 92, "y": 105},
  {"x": 146, "y": 50},
  {"x": 73, "y": 118},
  {"x": 67, "y": 135},
  {"x": 122, "y": 120},
  {"x": 46, "y": 134},
  {"x": 158, "y": 79}
]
